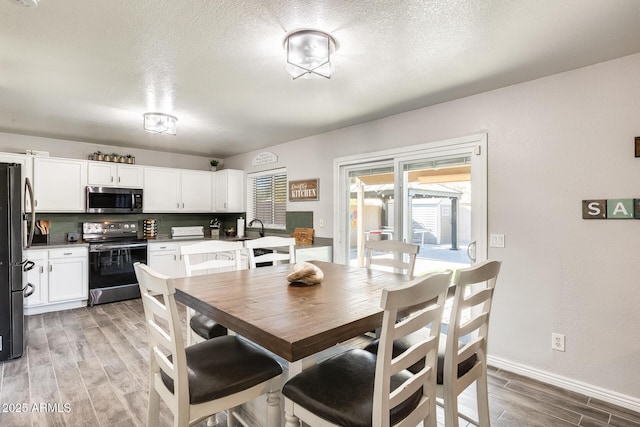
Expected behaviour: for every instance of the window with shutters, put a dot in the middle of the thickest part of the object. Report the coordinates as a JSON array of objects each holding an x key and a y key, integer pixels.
[{"x": 267, "y": 197}]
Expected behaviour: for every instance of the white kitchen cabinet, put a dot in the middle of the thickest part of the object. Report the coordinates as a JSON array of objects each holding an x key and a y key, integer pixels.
[
  {"x": 60, "y": 277},
  {"x": 176, "y": 190},
  {"x": 26, "y": 162},
  {"x": 161, "y": 190},
  {"x": 59, "y": 184},
  {"x": 315, "y": 253},
  {"x": 229, "y": 190},
  {"x": 68, "y": 275},
  {"x": 104, "y": 174},
  {"x": 37, "y": 278},
  {"x": 195, "y": 190},
  {"x": 163, "y": 258}
]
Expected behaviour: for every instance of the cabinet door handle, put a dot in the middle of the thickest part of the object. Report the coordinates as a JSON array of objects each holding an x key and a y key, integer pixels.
[
  {"x": 41, "y": 269},
  {"x": 111, "y": 179},
  {"x": 50, "y": 268},
  {"x": 68, "y": 253},
  {"x": 183, "y": 206},
  {"x": 178, "y": 205},
  {"x": 35, "y": 203},
  {"x": 118, "y": 179}
]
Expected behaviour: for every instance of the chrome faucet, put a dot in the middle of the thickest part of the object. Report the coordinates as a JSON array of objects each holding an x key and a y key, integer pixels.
[{"x": 261, "y": 226}]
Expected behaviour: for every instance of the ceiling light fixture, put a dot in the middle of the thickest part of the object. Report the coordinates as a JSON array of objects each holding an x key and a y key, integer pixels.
[
  {"x": 25, "y": 3},
  {"x": 309, "y": 53},
  {"x": 160, "y": 123}
]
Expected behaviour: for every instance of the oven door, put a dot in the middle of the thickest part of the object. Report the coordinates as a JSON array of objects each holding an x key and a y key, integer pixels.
[{"x": 111, "y": 274}]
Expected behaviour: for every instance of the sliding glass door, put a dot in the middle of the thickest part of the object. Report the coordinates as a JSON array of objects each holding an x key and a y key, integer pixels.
[{"x": 433, "y": 195}]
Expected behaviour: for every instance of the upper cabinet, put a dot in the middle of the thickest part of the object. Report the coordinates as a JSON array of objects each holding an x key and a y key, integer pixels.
[
  {"x": 229, "y": 190},
  {"x": 27, "y": 172},
  {"x": 104, "y": 174},
  {"x": 195, "y": 189},
  {"x": 176, "y": 190},
  {"x": 59, "y": 184}
]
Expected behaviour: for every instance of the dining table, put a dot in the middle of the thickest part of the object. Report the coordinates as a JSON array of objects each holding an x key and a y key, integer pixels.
[{"x": 292, "y": 320}]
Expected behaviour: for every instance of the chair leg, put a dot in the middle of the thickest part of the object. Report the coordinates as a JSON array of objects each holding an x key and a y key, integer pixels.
[
  {"x": 483, "y": 401},
  {"x": 273, "y": 408},
  {"x": 292, "y": 420},
  {"x": 153, "y": 411},
  {"x": 451, "y": 411},
  {"x": 231, "y": 419}
]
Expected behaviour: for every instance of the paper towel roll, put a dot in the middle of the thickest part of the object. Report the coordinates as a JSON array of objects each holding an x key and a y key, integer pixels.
[{"x": 240, "y": 227}]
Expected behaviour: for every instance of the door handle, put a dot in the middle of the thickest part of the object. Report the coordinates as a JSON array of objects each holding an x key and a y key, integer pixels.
[
  {"x": 471, "y": 251},
  {"x": 28, "y": 293}
]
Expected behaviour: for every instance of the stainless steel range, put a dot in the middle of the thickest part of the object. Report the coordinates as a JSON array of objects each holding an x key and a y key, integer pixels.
[{"x": 114, "y": 246}]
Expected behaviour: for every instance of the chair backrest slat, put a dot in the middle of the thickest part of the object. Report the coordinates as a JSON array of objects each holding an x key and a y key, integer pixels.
[
  {"x": 285, "y": 244},
  {"x": 398, "y": 251},
  {"x": 429, "y": 291},
  {"x": 193, "y": 254}
]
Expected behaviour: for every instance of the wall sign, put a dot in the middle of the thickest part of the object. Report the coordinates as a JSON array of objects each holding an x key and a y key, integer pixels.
[
  {"x": 611, "y": 209},
  {"x": 304, "y": 190},
  {"x": 264, "y": 158}
]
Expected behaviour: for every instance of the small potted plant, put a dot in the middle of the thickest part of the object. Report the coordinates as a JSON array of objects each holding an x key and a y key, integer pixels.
[{"x": 214, "y": 165}]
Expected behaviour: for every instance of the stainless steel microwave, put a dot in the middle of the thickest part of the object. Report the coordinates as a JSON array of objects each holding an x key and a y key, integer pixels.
[{"x": 114, "y": 200}]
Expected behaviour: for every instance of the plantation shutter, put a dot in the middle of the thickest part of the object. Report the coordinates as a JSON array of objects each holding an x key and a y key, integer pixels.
[{"x": 267, "y": 197}]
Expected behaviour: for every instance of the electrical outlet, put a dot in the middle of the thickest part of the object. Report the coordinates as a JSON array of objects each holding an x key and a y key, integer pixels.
[{"x": 557, "y": 342}]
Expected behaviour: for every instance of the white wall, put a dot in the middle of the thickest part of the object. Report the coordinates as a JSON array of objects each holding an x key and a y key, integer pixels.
[
  {"x": 552, "y": 143},
  {"x": 14, "y": 143}
]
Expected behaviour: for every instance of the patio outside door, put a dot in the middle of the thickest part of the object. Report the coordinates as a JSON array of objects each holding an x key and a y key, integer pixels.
[{"x": 433, "y": 195}]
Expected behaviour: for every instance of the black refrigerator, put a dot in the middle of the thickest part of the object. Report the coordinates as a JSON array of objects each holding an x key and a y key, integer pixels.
[{"x": 12, "y": 293}]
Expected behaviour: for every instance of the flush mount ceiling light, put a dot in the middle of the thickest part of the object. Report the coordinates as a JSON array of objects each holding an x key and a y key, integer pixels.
[
  {"x": 309, "y": 53},
  {"x": 160, "y": 123},
  {"x": 25, "y": 3}
]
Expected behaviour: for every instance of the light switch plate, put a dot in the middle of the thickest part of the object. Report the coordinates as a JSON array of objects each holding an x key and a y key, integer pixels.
[{"x": 496, "y": 240}]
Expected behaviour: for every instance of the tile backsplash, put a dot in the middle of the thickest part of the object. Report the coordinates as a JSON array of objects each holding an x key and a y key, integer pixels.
[{"x": 63, "y": 223}]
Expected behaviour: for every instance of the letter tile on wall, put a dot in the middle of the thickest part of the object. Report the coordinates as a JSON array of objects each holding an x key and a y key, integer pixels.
[
  {"x": 594, "y": 209},
  {"x": 620, "y": 209}
]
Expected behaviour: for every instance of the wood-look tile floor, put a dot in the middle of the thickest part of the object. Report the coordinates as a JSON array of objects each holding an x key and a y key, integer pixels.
[{"x": 89, "y": 367}]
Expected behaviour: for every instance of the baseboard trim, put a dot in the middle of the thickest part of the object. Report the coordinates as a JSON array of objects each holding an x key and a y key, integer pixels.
[{"x": 605, "y": 395}]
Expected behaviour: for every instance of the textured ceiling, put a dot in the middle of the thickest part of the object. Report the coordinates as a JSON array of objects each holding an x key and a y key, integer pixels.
[{"x": 87, "y": 70}]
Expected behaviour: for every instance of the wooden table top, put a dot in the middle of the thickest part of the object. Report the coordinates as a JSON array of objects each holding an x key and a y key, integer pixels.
[{"x": 291, "y": 321}]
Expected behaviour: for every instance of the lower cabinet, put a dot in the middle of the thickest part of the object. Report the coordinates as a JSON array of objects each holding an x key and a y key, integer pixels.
[
  {"x": 59, "y": 278},
  {"x": 316, "y": 253},
  {"x": 164, "y": 258}
]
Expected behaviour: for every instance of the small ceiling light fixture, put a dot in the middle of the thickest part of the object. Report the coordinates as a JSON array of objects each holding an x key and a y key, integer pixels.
[
  {"x": 26, "y": 3},
  {"x": 309, "y": 53},
  {"x": 160, "y": 123}
]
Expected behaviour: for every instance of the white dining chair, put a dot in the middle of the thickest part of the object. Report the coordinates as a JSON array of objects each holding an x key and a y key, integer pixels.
[
  {"x": 286, "y": 246},
  {"x": 203, "y": 258},
  {"x": 361, "y": 389},
  {"x": 462, "y": 356},
  {"x": 209, "y": 377},
  {"x": 391, "y": 254}
]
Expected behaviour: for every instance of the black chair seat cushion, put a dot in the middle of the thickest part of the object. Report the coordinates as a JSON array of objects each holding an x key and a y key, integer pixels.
[
  {"x": 206, "y": 327},
  {"x": 340, "y": 390},
  {"x": 223, "y": 366},
  {"x": 402, "y": 344}
]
